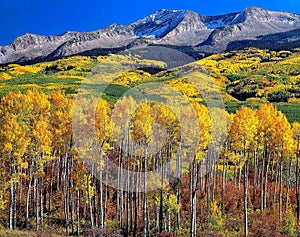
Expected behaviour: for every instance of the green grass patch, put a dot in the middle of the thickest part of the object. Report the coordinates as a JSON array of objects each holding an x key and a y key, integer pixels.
[{"x": 38, "y": 80}]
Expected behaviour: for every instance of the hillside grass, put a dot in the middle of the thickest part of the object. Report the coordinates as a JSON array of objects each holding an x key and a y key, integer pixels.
[
  {"x": 245, "y": 78},
  {"x": 24, "y": 233}
]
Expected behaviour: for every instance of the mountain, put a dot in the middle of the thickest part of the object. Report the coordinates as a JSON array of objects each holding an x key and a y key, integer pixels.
[
  {"x": 31, "y": 46},
  {"x": 249, "y": 24},
  {"x": 180, "y": 28}
]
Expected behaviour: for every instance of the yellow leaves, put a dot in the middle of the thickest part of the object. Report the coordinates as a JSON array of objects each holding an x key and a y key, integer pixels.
[
  {"x": 219, "y": 120},
  {"x": 122, "y": 114},
  {"x": 83, "y": 181},
  {"x": 60, "y": 120},
  {"x": 230, "y": 62},
  {"x": 24, "y": 165},
  {"x": 79, "y": 63},
  {"x": 283, "y": 135},
  {"x": 142, "y": 123},
  {"x": 39, "y": 126},
  {"x": 70, "y": 76},
  {"x": 274, "y": 129},
  {"x": 234, "y": 157},
  {"x": 185, "y": 87},
  {"x": 42, "y": 136},
  {"x": 5, "y": 76},
  {"x": 2, "y": 200},
  {"x": 4, "y": 184},
  {"x": 204, "y": 125},
  {"x": 103, "y": 121},
  {"x": 271, "y": 71},
  {"x": 13, "y": 138},
  {"x": 106, "y": 147},
  {"x": 290, "y": 224},
  {"x": 83, "y": 127},
  {"x": 266, "y": 115},
  {"x": 210, "y": 64},
  {"x": 155, "y": 125},
  {"x": 266, "y": 127},
  {"x": 216, "y": 218},
  {"x": 170, "y": 203},
  {"x": 200, "y": 155},
  {"x": 244, "y": 129},
  {"x": 132, "y": 77},
  {"x": 189, "y": 130},
  {"x": 39, "y": 101},
  {"x": 25, "y": 134},
  {"x": 58, "y": 99},
  {"x": 296, "y": 131},
  {"x": 168, "y": 121},
  {"x": 7, "y": 147},
  {"x": 17, "y": 70},
  {"x": 195, "y": 128}
]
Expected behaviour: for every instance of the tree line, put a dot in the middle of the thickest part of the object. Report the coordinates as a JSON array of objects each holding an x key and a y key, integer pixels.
[{"x": 84, "y": 183}]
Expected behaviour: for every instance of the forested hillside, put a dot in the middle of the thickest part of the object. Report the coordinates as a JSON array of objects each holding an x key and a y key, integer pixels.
[
  {"x": 254, "y": 76},
  {"x": 247, "y": 185}
]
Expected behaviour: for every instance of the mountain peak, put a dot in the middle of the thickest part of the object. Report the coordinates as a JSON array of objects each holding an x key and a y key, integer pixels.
[
  {"x": 26, "y": 40},
  {"x": 249, "y": 12},
  {"x": 158, "y": 24},
  {"x": 208, "y": 34},
  {"x": 114, "y": 26},
  {"x": 164, "y": 10},
  {"x": 253, "y": 8}
]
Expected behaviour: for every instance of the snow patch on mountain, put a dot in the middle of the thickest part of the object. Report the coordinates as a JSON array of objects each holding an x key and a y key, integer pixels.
[
  {"x": 153, "y": 32},
  {"x": 158, "y": 24},
  {"x": 213, "y": 22}
]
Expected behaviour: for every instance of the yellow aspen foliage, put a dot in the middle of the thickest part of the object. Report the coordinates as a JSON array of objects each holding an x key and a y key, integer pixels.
[
  {"x": 219, "y": 119},
  {"x": 216, "y": 218},
  {"x": 283, "y": 135},
  {"x": 82, "y": 181},
  {"x": 103, "y": 123},
  {"x": 189, "y": 131},
  {"x": 60, "y": 120},
  {"x": 84, "y": 130},
  {"x": 204, "y": 132},
  {"x": 142, "y": 123},
  {"x": 244, "y": 129},
  {"x": 122, "y": 114},
  {"x": 5, "y": 76},
  {"x": 296, "y": 134},
  {"x": 13, "y": 135},
  {"x": 266, "y": 114},
  {"x": 274, "y": 130},
  {"x": 168, "y": 120},
  {"x": 170, "y": 204}
]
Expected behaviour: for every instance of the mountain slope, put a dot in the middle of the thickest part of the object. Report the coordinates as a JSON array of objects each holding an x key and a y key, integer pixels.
[
  {"x": 249, "y": 24},
  {"x": 207, "y": 34},
  {"x": 31, "y": 46}
]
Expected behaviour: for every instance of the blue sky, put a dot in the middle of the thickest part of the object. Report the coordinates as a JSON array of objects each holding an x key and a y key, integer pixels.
[{"x": 54, "y": 17}]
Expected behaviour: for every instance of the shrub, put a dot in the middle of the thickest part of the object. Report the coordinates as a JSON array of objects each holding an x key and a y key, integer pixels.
[
  {"x": 278, "y": 96},
  {"x": 98, "y": 232},
  {"x": 216, "y": 219},
  {"x": 289, "y": 223},
  {"x": 166, "y": 234}
]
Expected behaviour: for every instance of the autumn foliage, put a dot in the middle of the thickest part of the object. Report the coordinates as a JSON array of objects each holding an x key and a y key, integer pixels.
[{"x": 252, "y": 186}]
